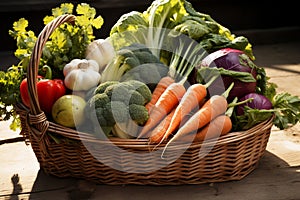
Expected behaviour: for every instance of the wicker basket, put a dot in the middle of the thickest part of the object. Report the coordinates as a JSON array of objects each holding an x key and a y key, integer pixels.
[{"x": 129, "y": 161}]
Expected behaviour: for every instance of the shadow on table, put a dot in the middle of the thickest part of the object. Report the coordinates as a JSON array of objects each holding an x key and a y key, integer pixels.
[{"x": 70, "y": 188}]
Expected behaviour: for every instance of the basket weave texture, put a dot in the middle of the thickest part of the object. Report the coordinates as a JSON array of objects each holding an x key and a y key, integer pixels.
[{"x": 81, "y": 155}]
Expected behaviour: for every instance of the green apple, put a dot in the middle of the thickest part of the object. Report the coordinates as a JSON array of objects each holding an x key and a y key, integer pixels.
[{"x": 68, "y": 110}]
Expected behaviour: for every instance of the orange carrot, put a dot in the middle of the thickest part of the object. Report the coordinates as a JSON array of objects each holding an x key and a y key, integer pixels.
[
  {"x": 158, "y": 132},
  {"x": 212, "y": 108},
  {"x": 191, "y": 99},
  {"x": 165, "y": 104},
  {"x": 219, "y": 126},
  {"x": 159, "y": 89}
]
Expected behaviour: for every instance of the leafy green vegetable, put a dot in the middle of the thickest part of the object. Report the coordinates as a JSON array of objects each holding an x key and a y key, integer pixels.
[
  {"x": 10, "y": 94},
  {"x": 149, "y": 27},
  {"x": 287, "y": 110},
  {"x": 167, "y": 19}
]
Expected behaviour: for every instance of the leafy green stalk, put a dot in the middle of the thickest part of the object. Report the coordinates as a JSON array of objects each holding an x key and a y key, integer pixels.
[{"x": 186, "y": 57}]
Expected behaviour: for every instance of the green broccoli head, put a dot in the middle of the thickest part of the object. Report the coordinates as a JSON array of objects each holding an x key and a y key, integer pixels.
[
  {"x": 110, "y": 113},
  {"x": 98, "y": 100},
  {"x": 129, "y": 92},
  {"x": 122, "y": 62},
  {"x": 102, "y": 86},
  {"x": 132, "y": 61},
  {"x": 118, "y": 92},
  {"x": 116, "y": 111},
  {"x": 106, "y": 110},
  {"x": 120, "y": 102},
  {"x": 136, "y": 98},
  {"x": 95, "y": 107},
  {"x": 146, "y": 57},
  {"x": 138, "y": 113},
  {"x": 126, "y": 59},
  {"x": 103, "y": 119},
  {"x": 149, "y": 73},
  {"x": 141, "y": 88}
]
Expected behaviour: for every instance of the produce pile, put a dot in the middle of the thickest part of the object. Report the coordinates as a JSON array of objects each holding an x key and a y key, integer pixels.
[{"x": 167, "y": 74}]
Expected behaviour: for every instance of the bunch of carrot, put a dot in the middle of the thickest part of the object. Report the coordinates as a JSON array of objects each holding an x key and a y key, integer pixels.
[{"x": 177, "y": 114}]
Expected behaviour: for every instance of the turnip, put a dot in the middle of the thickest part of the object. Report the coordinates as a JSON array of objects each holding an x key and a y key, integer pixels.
[
  {"x": 232, "y": 60},
  {"x": 258, "y": 101}
]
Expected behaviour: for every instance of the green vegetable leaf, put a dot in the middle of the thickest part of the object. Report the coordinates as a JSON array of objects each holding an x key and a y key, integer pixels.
[
  {"x": 287, "y": 110},
  {"x": 193, "y": 29},
  {"x": 250, "y": 118},
  {"x": 206, "y": 73}
]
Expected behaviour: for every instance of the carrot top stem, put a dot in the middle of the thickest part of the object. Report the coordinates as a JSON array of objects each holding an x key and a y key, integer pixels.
[
  {"x": 226, "y": 93},
  {"x": 235, "y": 103}
]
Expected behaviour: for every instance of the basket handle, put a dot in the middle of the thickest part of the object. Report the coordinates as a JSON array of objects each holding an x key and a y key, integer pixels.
[{"x": 32, "y": 70}]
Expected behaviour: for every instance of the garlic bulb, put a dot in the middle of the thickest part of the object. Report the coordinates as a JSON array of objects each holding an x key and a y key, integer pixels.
[
  {"x": 102, "y": 51},
  {"x": 81, "y": 74}
]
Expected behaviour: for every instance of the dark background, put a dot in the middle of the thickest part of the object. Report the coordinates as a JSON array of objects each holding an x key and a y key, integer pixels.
[{"x": 263, "y": 22}]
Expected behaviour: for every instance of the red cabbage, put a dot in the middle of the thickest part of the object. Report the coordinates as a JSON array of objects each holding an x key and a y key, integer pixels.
[
  {"x": 235, "y": 60},
  {"x": 259, "y": 102}
]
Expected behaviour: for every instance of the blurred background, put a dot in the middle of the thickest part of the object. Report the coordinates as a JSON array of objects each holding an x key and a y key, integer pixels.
[{"x": 262, "y": 22}]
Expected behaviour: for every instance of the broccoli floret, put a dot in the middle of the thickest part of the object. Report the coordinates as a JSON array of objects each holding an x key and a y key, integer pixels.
[
  {"x": 149, "y": 73},
  {"x": 138, "y": 113},
  {"x": 118, "y": 103},
  {"x": 101, "y": 104},
  {"x": 146, "y": 57},
  {"x": 136, "y": 98},
  {"x": 126, "y": 59},
  {"x": 102, "y": 86},
  {"x": 110, "y": 113},
  {"x": 132, "y": 61},
  {"x": 125, "y": 52},
  {"x": 117, "y": 92},
  {"x": 103, "y": 119},
  {"x": 98, "y": 100},
  {"x": 129, "y": 92},
  {"x": 141, "y": 88},
  {"x": 116, "y": 111},
  {"x": 96, "y": 107}
]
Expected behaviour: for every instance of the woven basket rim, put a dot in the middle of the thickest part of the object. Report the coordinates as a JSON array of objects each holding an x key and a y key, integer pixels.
[{"x": 73, "y": 134}]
